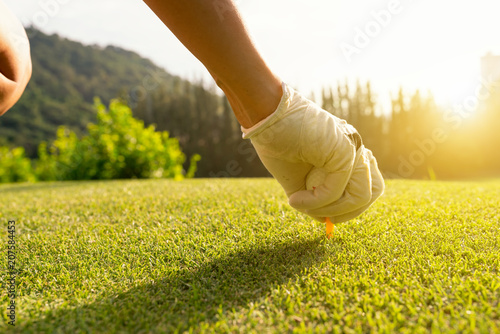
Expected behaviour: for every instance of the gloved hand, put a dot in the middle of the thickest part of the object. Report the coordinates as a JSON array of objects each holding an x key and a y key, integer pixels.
[
  {"x": 299, "y": 136},
  {"x": 354, "y": 193}
]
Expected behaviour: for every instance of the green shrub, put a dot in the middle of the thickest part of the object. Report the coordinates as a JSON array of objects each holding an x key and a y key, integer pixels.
[
  {"x": 117, "y": 147},
  {"x": 14, "y": 166}
]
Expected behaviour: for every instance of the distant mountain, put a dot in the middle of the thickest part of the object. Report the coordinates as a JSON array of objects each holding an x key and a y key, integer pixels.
[{"x": 68, "y": 75}]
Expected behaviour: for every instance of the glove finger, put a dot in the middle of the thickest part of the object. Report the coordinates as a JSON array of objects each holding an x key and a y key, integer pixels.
[
  {"x": 357, "y": 194},
  {"x": 319, "y": 219},
  {"x": 330, "y": 191},
  {"x": 290, "y": 175},
  {"x": 378, "y": 188}
]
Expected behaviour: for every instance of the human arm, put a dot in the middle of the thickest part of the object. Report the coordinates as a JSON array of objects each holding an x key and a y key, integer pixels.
[
  {"x": 291, "y": 134},
  {"x": 15, "y": 60}
]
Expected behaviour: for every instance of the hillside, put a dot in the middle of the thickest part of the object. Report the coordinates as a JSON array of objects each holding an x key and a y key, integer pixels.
[
  {"x": 66, "y": 77},
  {"x": 419, "y": 138}
]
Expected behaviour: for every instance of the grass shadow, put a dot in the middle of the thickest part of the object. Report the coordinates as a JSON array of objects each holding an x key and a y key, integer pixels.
[
  {"x": 20, "y": 187},
  {"x": 191, "y": 295}
]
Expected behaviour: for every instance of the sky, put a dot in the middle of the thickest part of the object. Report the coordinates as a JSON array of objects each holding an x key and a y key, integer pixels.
[{"x": 417, "y": 44}]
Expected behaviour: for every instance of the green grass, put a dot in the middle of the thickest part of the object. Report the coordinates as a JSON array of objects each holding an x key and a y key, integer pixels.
[{"x": 231, "y": 256}]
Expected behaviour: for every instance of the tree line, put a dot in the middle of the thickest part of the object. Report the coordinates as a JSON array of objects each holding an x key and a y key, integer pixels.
[
  {"x": 419, "y": 139},
  {"x": 415, "y": 139}
]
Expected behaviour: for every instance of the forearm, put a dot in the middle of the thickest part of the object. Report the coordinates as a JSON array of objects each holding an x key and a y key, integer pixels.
[
  {"x": 212, "y": 30},
  {"x": 214, "y": 33},
  {"x": 15, "y": 60}
]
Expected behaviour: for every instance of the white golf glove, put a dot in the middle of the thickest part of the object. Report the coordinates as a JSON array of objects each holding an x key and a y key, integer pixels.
[
  {"x": 355, "y": 193},
  {"x": 300, "y": 136}
]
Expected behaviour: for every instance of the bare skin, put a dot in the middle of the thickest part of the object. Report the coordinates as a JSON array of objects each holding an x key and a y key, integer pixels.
[
  {"x": 213, "y": 31},
  {"x": 15, "y": 60}
]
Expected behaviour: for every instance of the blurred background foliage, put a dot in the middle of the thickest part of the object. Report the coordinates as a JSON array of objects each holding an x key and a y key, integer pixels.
[
  {"x": 415, "y": 139},
  {"x": 118, "y": 146}
]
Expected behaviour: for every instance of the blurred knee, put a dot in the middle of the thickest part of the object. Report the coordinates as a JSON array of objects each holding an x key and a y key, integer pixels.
[{"x": 12, "y": 90}]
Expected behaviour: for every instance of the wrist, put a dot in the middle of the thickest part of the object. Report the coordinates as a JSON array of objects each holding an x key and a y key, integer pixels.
[{"x": 270, "y": 119}]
